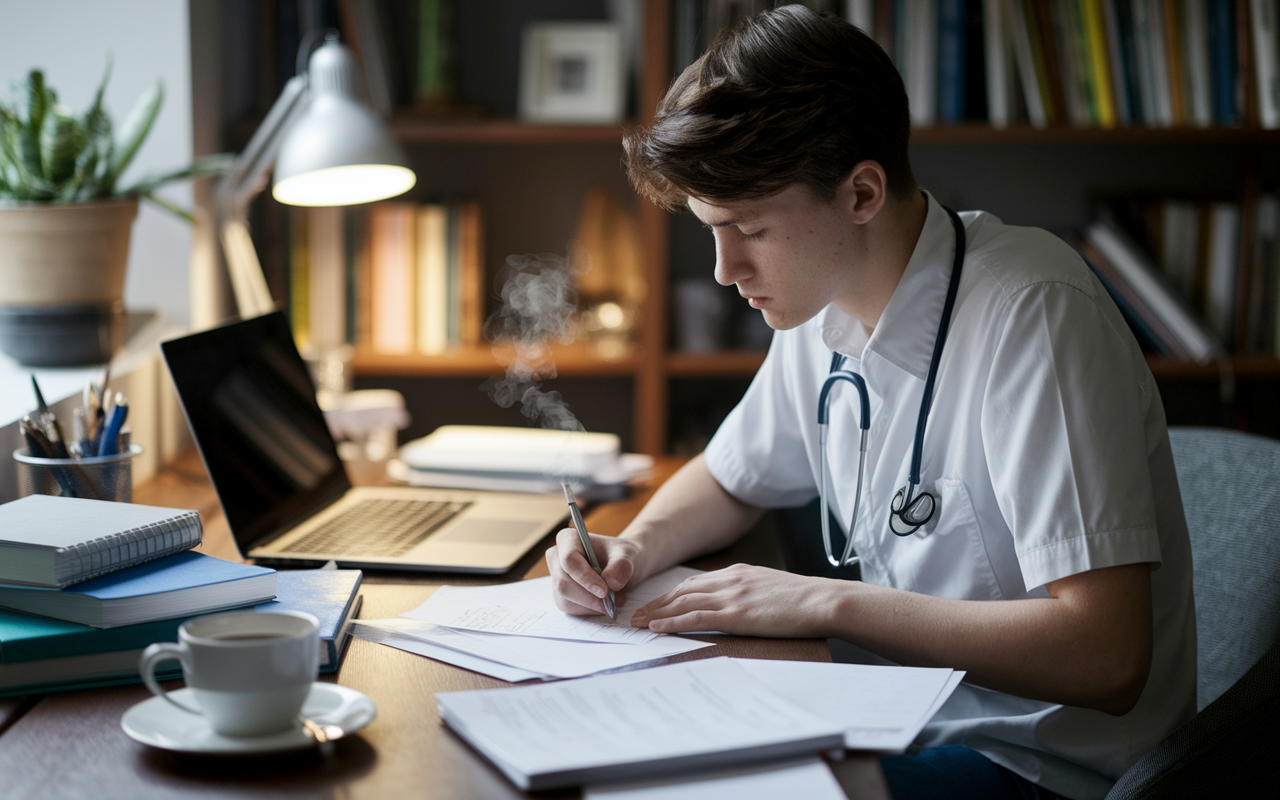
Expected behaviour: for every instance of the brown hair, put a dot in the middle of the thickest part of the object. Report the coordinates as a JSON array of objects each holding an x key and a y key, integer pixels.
[{"x": 783, "y": 97}]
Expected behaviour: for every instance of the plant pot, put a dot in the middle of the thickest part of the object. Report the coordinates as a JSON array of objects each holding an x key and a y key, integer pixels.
[{"x": 62, "y": 270}]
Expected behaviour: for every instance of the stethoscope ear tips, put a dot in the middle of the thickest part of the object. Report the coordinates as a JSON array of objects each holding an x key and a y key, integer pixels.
[{"x": 905, "y": 521}]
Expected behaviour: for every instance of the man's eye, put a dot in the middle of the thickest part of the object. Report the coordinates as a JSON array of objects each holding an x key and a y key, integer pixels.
[{"x": 756, "y": 235}]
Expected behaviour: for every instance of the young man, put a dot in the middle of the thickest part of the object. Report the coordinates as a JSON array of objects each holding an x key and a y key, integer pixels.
[{"x": 1045, "y": 450}]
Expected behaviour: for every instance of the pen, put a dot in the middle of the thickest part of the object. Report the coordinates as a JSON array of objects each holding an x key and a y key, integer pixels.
[
  {"x": 110, "y": 443},
  {"x": 581, "y": 526}
]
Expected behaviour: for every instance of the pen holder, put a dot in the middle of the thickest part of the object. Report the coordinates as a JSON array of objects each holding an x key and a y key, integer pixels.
[{"x": 94, "y": 478}]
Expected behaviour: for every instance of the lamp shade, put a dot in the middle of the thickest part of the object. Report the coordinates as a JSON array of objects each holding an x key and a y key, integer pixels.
[{"x": 338, "y": 152}]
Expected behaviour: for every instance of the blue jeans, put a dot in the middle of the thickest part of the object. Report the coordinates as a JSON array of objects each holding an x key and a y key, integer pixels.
[{"x": 956, "y": 772}]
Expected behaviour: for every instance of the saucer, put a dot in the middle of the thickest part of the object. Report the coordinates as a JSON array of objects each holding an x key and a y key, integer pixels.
[{"x": 157, "y": 723}]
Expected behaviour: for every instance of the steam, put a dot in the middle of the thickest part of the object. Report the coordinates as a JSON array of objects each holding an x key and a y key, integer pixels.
[{"x": 538, "y": 303}]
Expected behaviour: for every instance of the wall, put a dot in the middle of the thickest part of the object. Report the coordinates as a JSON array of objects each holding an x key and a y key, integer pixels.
[{"x": 147, "y": 39}]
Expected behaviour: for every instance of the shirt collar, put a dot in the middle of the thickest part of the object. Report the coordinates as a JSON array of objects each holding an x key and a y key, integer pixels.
[{"x": 909, "y": 324}]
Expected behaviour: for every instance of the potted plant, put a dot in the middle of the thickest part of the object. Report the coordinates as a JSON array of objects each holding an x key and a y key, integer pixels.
[{"x": 65, "y": 221}]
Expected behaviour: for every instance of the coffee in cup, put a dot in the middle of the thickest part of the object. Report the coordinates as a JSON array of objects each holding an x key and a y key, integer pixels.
[{"x": 249, "y": 673}]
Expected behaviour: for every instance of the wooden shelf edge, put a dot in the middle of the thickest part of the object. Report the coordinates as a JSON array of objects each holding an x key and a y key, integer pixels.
[
  {"x": 500, "y": 131},
  {"x": 723, "y": 364},
  {"x": 482, "y": 362},
  {"x": 1244, "y": 367},
  {"x": 985, "y": 134}
]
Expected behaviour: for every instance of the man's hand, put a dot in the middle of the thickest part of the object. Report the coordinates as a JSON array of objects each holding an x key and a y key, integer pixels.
[
  {"x": 576, "y": 586},
  {"x": 742, "y": 600}
]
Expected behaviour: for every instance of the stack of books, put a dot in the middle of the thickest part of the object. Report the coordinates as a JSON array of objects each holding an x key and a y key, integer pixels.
[{"x": 86, "y": 585}]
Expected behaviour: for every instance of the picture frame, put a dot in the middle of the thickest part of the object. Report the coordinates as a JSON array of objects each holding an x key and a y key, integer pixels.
[{"x": 572, "y": 72}]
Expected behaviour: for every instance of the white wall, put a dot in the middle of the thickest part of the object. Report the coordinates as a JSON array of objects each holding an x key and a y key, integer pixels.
[{"x": 148, "y": 39}]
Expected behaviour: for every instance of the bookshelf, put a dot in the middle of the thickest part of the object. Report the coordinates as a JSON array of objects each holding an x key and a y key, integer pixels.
[{"x": 1017, "y": 172}]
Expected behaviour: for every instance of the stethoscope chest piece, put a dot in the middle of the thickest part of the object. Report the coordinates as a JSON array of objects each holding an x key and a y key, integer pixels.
[{"x": 907, "y": 514}]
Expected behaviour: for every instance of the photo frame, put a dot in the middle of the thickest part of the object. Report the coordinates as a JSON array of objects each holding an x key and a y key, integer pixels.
[{"x": 572, "y": 72}]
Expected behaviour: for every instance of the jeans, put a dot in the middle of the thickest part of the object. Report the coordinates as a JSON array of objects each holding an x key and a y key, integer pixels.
[{"x": 956, "y": 772}]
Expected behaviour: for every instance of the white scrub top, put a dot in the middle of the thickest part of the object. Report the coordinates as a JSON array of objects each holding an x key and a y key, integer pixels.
[{"x": 1046, "y": 449}]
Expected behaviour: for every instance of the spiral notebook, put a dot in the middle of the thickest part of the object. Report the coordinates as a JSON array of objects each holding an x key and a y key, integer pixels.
[{"x": 59, "y": 541}]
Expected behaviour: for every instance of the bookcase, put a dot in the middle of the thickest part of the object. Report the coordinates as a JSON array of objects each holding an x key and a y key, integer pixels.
[{"x": 530, "y": 179}]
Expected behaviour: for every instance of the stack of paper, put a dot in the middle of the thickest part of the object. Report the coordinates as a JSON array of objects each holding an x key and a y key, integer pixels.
[
  {"x": 514, "y": 631},
  {"x": 687, "y": 717},
  {"x": 518, "y": 460}
]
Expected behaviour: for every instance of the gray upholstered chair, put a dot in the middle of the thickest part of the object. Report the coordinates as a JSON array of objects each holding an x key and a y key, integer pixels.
[{"x": 1230, "y": 486}]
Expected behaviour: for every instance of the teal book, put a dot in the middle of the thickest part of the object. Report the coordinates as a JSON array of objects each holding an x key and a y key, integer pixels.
[{"x": 40, "y": 655}]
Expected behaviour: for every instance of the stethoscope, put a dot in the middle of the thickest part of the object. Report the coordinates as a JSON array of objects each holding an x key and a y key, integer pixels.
[{"x": 909, "y": 509}]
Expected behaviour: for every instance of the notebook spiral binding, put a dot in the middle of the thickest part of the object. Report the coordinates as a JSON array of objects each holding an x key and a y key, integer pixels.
[{"x": 128, "y": 548}]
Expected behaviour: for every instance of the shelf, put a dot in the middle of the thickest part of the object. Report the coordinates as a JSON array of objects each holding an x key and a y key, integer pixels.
[
  {"x": 723, "y": 364},
  {"x": 1244, "y": 368},
  {"x": 577, "y": 359},
  {"x": 416, "y": 130},
  {"x": 974, "y": 133}
]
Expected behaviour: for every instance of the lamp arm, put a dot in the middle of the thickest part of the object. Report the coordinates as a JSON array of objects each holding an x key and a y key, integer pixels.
[{"x": 245, "y": 178}]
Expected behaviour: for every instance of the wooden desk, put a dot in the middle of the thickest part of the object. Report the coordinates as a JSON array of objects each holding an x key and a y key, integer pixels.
[{"x": 70, "y": 744}]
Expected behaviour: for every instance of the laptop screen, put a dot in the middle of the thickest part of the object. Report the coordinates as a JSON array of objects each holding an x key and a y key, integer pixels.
[{"x": 252, "y": 408}]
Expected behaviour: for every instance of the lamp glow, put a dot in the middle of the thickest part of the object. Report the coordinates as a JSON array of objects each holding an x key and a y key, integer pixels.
[{"x": 344, "y": 186}]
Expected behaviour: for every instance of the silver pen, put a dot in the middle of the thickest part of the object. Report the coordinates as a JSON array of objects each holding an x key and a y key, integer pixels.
[{"x": 581, "y": 527}]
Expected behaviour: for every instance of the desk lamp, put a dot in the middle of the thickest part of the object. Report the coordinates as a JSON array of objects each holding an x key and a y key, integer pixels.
[{"x": 329, "y": 149}]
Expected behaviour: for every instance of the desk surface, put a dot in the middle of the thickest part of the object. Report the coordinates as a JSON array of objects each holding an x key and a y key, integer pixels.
[{"x": 70, "y": 744}]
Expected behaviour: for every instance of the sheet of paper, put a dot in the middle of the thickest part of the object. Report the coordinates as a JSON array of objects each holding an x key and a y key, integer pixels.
[
  {"x": 810, "y": 779},
  {"x": 557, "y": 658},
  {"x": 679, "y": 710},
  {"x": 527, "y": 608},
  {"x": 879, "y": 708},
  {"x": 390, "y": 637}
]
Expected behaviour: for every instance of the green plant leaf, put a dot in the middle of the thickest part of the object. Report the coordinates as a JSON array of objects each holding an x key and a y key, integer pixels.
[
  {"x": 134, "y": 129},
  {"x": 173, "y": 208},
  {"x": 39, "y": 98},
  {"x": 201, "y": 167},
  {"x": 61, "y": 141}
]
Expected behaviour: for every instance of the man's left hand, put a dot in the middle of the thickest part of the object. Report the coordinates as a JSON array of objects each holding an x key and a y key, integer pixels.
[{"x": 741, "y": 600}]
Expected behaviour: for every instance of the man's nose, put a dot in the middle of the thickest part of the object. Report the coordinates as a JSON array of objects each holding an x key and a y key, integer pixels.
[{"x": 731, "y": 265}]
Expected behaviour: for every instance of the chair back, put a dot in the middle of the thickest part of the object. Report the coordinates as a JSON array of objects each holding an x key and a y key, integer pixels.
[{"x": 1230, "y": 484}]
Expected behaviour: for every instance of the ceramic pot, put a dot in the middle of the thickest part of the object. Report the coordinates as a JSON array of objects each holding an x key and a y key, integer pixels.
[{"x": 62, "y": 270}]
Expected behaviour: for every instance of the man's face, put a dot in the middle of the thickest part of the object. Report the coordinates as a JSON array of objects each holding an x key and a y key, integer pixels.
[{"x": 789, "y": 254}]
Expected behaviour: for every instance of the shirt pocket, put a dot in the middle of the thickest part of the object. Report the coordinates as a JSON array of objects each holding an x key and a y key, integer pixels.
[{"x": 948, "y": 556}]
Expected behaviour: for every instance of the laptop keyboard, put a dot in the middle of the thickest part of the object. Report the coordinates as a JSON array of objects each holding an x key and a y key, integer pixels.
[{"x": 382, "y": 528}]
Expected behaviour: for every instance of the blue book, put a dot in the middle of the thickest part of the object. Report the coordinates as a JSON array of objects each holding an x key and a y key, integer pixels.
[
  {"x": 330, "y": 596},
  {"x": 181, "y": 585},
  {"x": 43, "y": 655},
  {"x": 1223, "y": 60},
  {"x": 951, "y": 60}
]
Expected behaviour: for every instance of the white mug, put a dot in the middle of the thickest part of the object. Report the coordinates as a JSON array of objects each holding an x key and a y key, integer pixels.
[{"x": 249, "y": 673}]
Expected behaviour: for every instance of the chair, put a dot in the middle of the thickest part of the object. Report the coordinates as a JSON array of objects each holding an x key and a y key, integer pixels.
[{"x": 1230, "y": 485}]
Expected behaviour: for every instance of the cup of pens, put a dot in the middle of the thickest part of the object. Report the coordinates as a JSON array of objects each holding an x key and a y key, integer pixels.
[{"x": 95, "y": 462}]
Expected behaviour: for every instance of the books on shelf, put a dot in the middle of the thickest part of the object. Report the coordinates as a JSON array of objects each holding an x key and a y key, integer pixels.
[
  {"x": 426, "y": 277},
  {"x": 39, "y": 654},
  {"x": 58, "y": 541},
  {"x": 175, "y": 586}
]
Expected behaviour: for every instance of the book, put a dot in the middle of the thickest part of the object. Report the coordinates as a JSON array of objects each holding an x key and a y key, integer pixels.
[
  {"x": 1024, "y": 59},
  {"x": 433, "y": 279},
  {"x": 999, "y": 77},
  {"x": 1224, "y": 60},
  {"x": 329, "y": 595},
  {"x": 1094, "y": 36},
  {"x": 179, "y": 585},
  {"x": 951, "y": 61},
  {"x": 57, "y": 541},
  {"x": 38, "y": 654},
  {"x": 1223, "y": 268},
  {"x": 1136, "y": 269},
  {"x": 392, "y": 264},
  {"x": 1266, "y": 60},
  {"x": 1195, "y": 63},
  {"x": 665, "y": 720}
]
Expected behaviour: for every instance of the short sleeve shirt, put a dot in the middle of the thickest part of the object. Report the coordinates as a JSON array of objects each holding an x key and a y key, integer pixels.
[{"x": 1046, "y": 450}]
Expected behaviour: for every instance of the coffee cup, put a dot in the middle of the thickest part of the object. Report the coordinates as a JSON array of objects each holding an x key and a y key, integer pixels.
[{"x": 249, "y": 673}]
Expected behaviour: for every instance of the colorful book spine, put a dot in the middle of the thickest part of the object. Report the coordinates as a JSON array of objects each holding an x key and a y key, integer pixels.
[
  {"x": 1095, "y": 40},
  {"x": 951, "y": 61},
  {"x": 392, "y": 267}
]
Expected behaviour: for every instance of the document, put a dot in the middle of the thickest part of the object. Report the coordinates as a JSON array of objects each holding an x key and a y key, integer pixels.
[
  {"x": 641, "y": 723},
  {"x": 810, "y": 779},
  {"x": 393, "y": 638},
  {"x": 527, "y": 608},
  {"x": 879, "y": 708},
  {"x": 556, "y": 658}
]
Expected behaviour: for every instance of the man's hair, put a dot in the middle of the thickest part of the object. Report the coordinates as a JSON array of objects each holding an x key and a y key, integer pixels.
[{"x": 783, "y": 97}]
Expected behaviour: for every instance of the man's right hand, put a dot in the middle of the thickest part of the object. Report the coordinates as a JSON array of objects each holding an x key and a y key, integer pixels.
[{"x": 576, "y": 586}]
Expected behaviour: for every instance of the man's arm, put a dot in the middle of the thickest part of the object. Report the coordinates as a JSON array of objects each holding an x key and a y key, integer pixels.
[
  {"x": 1089, "y": 644},
  {"x": 689, "y": 515}
]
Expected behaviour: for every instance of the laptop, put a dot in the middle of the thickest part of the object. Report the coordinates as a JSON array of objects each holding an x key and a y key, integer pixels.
[{"x": 252, "y": 409}]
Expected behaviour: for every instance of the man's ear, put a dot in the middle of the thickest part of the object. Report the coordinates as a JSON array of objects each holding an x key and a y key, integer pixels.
[{"x": 864, "y": 191}]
